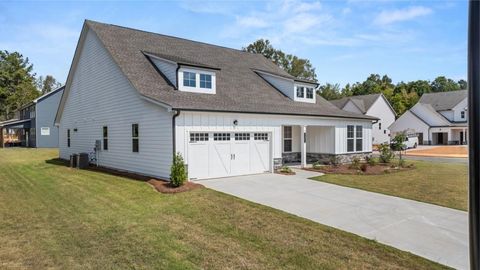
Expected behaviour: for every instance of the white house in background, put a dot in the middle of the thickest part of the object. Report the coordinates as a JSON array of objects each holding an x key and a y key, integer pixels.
[
  {"x": 437, "y": 118},
  {"x": 375, "y": 105},
  {"x": 146, "y": 96}
]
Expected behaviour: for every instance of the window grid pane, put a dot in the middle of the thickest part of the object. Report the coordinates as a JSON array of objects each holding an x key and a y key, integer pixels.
[
  {"x": 198, "y": 137},
  {"x": 205, "y": 81},
  {"x": 310, "y": 93},
  {"x": 350, "y": 144},
  {"x": 221, "y": 136},
  {"x": 350, "y": 131},
  {"x": 189, "y": 79},
  {"x": 260, "y": 136},
  {"x": 300, "y": 91},
  {"x": 287, "y": 145},
  {"x": 242, "y": 136},
  {"x": 135, "y": 141},
  {"x": 359, "y": 133},
  {"x": 359, "y": 145},
  {"x": 287, "y": 132}
]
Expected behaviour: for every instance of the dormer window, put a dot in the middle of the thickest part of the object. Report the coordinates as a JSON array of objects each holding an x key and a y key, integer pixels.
[
  {"x": 189, "y": 79},
  {"x": 196, "y": 80},
  {"x": 462, "y": 114},
  {"x": 304, "y": 93}
]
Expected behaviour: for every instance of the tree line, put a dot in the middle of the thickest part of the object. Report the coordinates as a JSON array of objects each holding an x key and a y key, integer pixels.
[
  {"x": 19, "y": 85},
  {"x": 402, "y": 96}
]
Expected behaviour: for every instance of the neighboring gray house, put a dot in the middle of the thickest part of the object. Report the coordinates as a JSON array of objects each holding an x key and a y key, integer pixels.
[
  {"x": 375, "y": 105},
  {"x": 141, "y": 97},
  {"x": 437, "y": 118},
  {"x": 35, "y": 126}
]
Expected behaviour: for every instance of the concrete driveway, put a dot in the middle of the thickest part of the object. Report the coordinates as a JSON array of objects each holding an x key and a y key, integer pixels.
[{"x": 437, "y": 233}]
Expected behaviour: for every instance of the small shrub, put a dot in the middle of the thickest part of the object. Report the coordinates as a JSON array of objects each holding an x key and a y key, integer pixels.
[
  {"x": 386, "y": 154},
  {"x": 286, "y": 169},
  {"x": 411, "y": 165},
  {"x": 372, "y": 161},
  {"x": 401, "y": 163},
  {"x": 316, "y": 165},
  {"x": 364, "y": 167},
  {"x": 178, "y": 172},
  {"x": 335, "y": 160},
  {"x": 355, "y": 163}
]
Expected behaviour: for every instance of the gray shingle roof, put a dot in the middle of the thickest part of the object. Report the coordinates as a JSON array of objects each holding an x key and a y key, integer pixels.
[
  {"x": 238, "y": 89},
  {"x": 444, "y": 100},
  {"x": 363, "y": 102}
]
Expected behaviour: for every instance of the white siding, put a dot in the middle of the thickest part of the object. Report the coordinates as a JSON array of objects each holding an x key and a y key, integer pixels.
[
  {"x": 458, "y": 109},
  {"x": 321, "y": 140},
  {"x": 168, "y": 69},
  {"x": 100, "y": 95},
  {"x": 285, "y": 86},
  {"x": 410, "y": 123},
  {"x": 381, "y": 110},
  {"x": 206, "y": 121},
  {"x": 429, "y": 116}
]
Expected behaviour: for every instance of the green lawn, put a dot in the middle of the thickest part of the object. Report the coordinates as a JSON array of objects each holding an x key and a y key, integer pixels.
[
  {"x": 443, "y": 184},
  {"x": 55, "y": 217}
]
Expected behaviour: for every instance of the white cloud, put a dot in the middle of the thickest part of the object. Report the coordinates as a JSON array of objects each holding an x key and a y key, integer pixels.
[
  {"x": 399, "y": 15},
  {"x": 252, "y": 21}
]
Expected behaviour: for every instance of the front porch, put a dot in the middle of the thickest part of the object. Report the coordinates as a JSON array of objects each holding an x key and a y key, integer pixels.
[
  {"x": 449, "y": 136},
  {"x": 305, "y": 145}
]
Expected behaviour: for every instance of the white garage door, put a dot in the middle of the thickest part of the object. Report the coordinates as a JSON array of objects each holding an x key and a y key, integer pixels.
[{"x": 221, "y": 154}]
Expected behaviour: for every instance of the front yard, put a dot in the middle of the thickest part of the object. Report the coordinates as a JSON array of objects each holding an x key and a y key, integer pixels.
[
  {"x": 55, "y": 217},
  {"x": 443, "y": 184}
]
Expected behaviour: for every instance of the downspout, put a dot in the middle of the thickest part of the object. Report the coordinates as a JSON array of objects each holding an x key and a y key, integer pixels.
[{"x": 174, "y": 133}]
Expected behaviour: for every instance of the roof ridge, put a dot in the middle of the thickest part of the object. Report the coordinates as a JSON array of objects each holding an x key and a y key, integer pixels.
[{"x": 169, "y": 36}]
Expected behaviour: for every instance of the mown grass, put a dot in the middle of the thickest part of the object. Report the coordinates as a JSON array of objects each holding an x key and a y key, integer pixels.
[
  {"x": 444, "y": 184},
  {"x": 54, "y": 217}
]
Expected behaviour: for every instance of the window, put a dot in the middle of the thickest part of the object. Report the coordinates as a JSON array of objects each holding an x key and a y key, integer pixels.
[
  {"x": 198, "y": 137},
  {"x": 309, "y": 92},
  {"x": 300, "y": 91},
  {"x": 206, "y": 81},
  {"x": 135, "y": 138},
  {"x": 462, "y": 114},
  {"x": 260, "y": 136},
  {"x": 287, "y": 139},
  {"x": 242, "y": 136},
  {"x": 189, "y": 79},
  {"x": 359, "y": 138},
  {"x": 105, "y": 138},
  {"x": 384, "y": 131},
  {"x": 350, "y": 138},
  {"x": 221, "y": 136},
  {"x": 379, "y": 125},
  {"x": 68, "y": 137}
]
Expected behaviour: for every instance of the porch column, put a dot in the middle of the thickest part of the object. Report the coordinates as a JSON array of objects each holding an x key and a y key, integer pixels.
[
  {"x": 464, "y": 136},
  {"x": 303, "y": 146}
]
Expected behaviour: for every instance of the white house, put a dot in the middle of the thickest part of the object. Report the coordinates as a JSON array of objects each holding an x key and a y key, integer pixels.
[
  {"x": 375, "y": 105},
  {"x": 437, "y": 118},
  {"x": 146, "y": 96}
]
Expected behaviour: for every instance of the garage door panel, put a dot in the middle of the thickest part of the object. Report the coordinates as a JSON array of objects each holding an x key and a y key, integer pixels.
[
  {"x": 219, "y": 159},
  {"x": 198, "y": 160},
  {"x": 241, "y": 158},
  {"x": 260, "y": 157}
]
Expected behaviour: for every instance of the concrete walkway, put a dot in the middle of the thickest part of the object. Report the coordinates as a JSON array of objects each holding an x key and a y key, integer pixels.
[{"x": 437, "y": 233}]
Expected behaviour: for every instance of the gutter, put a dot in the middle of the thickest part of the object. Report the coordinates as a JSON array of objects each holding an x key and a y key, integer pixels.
[{"x": 174, "y": 131}]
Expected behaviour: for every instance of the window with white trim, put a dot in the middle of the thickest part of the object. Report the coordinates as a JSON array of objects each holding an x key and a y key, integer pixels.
[
  {"x": 196, "y": 80},
  {"x": 287, "y": 139},
  {"x": 68, "y": 137},
  {"x": 379, "y": 125},
  {"x": 198, "y": 137},
  {"x": 350, "y": 138},
  {"x": 462, "y": 114},
  {"x": 260, "y": 136},
  {"x": 304, "y": 93},
  {"x": 242, "y": 136},
  {"x": 189, "y": 79},
  {"x": 221, "y": 136},
  {"x": 135, "y": 138},
  {"x": 300, "y": 91},
  {"x": 359, "y": 139},
  {"x": 105, "y": 138},
  {"x": 309, "y": 92}
]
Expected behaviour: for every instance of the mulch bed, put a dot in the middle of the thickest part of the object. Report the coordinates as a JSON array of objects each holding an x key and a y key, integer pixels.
[
  {"x": 165, "y": 187},
  {"x": 284, "y": 173},
  {"x": 371, "y": 170}
]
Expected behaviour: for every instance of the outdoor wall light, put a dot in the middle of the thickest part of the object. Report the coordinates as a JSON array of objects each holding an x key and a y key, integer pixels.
[{"x": 235, "y": 122}]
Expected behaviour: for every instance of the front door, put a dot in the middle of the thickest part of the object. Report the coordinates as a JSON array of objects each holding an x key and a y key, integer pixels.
[{"x": 461, "y": 137}]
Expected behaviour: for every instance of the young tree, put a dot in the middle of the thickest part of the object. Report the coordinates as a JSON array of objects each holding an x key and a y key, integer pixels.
[
  {"x": 17, "y": 83},
  {"x": 295, "y": 66},
  {"x": 398, "y": 144},
  {"x": 47, "y": 84}
]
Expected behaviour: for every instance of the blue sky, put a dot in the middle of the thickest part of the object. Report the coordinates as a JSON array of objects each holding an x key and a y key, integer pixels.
[{"x": 345, "y": 40}]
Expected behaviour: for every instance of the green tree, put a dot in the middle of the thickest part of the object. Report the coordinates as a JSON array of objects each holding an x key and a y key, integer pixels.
[
  {"x": 47, "y": 84},
  {"x": 443, "y": 84},
  {"x": 295, "y": 66},
  {"x": 17, "y": 83},
  {"x": 330, "y": 91},
  {"x": 463, "y": 84}
]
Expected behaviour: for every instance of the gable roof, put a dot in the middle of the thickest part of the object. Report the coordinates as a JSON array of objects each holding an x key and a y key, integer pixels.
[
  {"x": 443, "y": 101},
  {"x": 363, "y": 102},
  {"x": 238, "y": 87}
]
